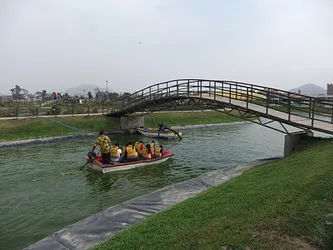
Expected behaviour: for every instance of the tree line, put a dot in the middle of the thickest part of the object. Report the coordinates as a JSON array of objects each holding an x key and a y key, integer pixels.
[{"x": 19, "y": 93}]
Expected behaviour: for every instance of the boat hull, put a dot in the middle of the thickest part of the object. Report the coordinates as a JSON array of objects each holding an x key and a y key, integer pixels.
[
  {"x": 161, "y": 134},
  {"x": 97, "y": 165}
]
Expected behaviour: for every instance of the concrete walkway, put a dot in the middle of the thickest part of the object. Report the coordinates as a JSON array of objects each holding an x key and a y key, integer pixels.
[{"x": 99, "y": 227}]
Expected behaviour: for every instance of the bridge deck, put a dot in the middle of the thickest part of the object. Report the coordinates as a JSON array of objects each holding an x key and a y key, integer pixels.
[
  {"x": 279, "y": 115},
  {"x": 304, "y": 112}
]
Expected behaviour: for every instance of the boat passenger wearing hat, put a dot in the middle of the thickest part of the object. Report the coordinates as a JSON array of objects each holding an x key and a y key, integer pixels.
[{"x": 103, "y": 141}]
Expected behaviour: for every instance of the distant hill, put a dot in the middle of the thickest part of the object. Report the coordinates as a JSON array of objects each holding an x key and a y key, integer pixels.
[
  {"x": 82, "y": 89},
  {"x": 310, "y": 89}
]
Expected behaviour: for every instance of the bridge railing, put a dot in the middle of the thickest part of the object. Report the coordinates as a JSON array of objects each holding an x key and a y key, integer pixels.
[{"x": 269, "y": 98}]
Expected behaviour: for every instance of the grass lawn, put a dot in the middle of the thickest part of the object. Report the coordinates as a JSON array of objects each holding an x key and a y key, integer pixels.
[
  {"x": 189, "y": 118},
  {"x": 280, "y": 205},
  {"x": 42, "y": 127}
]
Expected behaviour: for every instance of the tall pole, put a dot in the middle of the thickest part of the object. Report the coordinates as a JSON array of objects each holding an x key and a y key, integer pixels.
[{"x": 106, "y": 85}]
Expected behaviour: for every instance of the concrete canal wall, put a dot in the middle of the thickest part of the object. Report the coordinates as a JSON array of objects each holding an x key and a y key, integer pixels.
[{"x": 99, "y": 227}]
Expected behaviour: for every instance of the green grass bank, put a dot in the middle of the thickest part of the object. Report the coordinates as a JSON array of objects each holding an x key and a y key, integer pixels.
[
  {"x": 22, "y": 129},
  {"x": 43, "y": 127},
  {"x": 280, "y": 205}
]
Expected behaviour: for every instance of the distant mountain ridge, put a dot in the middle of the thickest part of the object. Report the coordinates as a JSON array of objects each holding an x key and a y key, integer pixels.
[{"x": 310, "y": 89}]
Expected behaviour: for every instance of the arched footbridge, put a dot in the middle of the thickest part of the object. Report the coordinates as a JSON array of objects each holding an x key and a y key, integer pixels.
[{"x": 248, "y": 101}]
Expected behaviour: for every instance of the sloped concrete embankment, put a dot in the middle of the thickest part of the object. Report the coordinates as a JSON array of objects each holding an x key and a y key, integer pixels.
[{"x": 101, "y": 226}]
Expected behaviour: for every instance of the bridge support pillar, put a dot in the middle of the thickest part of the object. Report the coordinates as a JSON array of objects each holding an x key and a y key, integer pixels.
[
  {"x": 129, "y": 123},
  {"x": 293, "y": 140}
]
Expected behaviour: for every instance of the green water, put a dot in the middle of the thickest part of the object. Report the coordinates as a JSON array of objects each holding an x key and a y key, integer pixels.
[{"x": 42, "y": 190}]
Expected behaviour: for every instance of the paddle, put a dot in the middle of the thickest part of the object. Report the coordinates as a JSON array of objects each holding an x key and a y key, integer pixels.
[
  {"x": 84, "y": 165},
  {"x": 162, "y": 127},
  {"x": 92, "y": 156},
  {"x": 174, "y": 132}
]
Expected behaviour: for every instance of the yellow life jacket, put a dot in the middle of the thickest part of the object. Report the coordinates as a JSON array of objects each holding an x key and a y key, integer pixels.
[
  {"x": 145, "y": 153},
  {"x": 114, "y": 152},
  {"x": 158, "y": 151},
  {"x": 138, "y": 146},
  {"x": 131, "y": 152},
  {"x": 152, "y": 147}
]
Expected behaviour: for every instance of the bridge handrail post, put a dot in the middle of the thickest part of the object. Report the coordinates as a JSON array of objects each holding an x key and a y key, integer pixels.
[
  {"x": 215, "y": 90},
  {"x": 288, "y": 107},
  {"x": 188, "y": 88},
  {"x": 236, "y": 91},
  {"x": 332, "y": 113},
  {"x": 222, "y": 87},
  {"x": 313, "y": 107},
  {"x": 310, "y": 108},
  {"x": 251, "y": 92},
  {"x": 200, "y": 89},
  {"x": 267, "y": 101},
  {"x": 209, "y": 88},
  {"x": 167, "y": 89},
  {"x": 247, "y": 97},
  {"x": 229, "y": 93}
]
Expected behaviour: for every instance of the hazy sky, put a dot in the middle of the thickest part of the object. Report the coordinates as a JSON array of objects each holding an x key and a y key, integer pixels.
[{"x": 58, "y": 44}]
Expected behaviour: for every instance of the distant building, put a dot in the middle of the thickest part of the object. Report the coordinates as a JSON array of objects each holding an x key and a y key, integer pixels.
[{"x": 329, "y": 89}]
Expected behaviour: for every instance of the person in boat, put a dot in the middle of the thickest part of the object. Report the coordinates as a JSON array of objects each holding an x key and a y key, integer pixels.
[
  {"x": 116, "y": 153},
  {"x": 139, "y": 146},
  {"x": 130, "y": 153},
  {"x": 103, "y": 141},
  {"x": 159, "y": 151},
  {"x": 161, "y": 127},
  {"x": 152, "y": 148},
  {"x": 146, "y": 152}
]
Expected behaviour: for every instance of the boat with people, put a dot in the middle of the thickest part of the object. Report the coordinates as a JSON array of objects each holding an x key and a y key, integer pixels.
[
  {"x": 160, "y": 132},
  {"x": 95, "y": 163}
]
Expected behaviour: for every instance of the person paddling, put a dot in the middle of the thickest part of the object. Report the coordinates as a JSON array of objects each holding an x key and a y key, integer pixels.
[{"x": 103, "y": 141}]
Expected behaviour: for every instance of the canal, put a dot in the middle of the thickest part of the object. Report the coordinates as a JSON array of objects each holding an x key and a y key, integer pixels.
[{"x": 42, "y": 189}]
